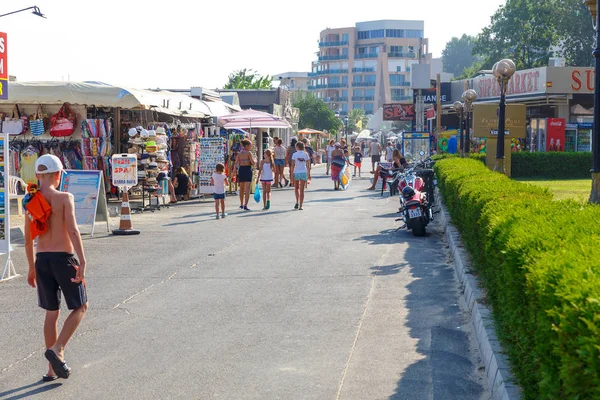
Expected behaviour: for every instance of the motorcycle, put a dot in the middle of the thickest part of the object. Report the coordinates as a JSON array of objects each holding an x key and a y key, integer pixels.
[{"x": 416, "y": 199}]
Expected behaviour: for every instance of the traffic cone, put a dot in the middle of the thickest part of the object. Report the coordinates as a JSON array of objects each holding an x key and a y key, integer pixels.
[{"x": 125, "y": 225}]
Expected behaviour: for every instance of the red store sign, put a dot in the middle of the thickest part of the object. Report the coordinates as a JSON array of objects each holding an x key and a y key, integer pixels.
[{"x": 523, "y": 82}]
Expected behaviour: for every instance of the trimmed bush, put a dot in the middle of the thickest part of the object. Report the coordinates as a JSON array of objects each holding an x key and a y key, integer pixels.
[
  {"x": 553, "y": 165},
  {"x": 539, "y": 262},
  {"x": 478, "y": 157}
]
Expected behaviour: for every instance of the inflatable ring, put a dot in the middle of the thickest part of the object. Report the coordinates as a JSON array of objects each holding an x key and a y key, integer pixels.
[{"x": 443, "y": 144}]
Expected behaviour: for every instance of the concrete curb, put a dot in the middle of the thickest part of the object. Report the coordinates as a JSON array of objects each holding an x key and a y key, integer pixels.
[{"x": 501, "y": 381}]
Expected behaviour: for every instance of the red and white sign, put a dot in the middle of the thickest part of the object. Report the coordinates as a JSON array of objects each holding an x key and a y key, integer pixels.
[
  {"x": 555, "y": 139},
  {"x": 3, "y": 66},
  {"x": 571, "y": 80},
  {"x": 529, "y": 81}
]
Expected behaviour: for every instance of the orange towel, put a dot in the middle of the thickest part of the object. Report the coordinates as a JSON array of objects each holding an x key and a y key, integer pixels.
[{"x": 39, "y": 211}]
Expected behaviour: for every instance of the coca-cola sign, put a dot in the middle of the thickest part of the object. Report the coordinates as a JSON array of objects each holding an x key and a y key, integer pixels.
[{"x": 556, "y": 122}]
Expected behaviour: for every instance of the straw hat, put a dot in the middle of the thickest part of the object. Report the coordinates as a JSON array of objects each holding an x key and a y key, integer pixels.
[
  {"x": 132, "y": 132},
  {"x": 152, "y": 133},
  {"x": 160, "y": 131}
]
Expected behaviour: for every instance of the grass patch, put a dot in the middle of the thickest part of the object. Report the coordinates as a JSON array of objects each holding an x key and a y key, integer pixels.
[{"x": 573, "y": 189}]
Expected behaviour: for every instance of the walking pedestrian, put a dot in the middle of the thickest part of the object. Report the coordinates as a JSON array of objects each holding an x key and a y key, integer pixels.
[
  {"x": 280, "y": 163},
  {"x": 218, "y": 181},
  {"x": 389, "y": 152},
  {"x": 265, "y": 176},
  {"x": 337, "y": 163},
  {"x": 288, "y": 157},
  {"x": 244, "y": 163},
  {"x": 358, "y": 156},
  {"x": 329, "y": 149},
  {"x": 301, "y": 172},
  {"x": 54, "y": 269},
  {"x": 375, "y": 152}
]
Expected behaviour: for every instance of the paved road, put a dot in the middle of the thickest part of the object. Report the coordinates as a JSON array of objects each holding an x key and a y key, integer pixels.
[{"x": 325, "y": 303}]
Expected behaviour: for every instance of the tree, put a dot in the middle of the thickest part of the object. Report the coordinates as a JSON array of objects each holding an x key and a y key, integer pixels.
[
  {"x": 315, "y": 114},
  {"x": 458, "y": 54},
  {"x": 357, "y": 119},
  {"x": 248, "y": 79},
  {"x": 523, "y": 30},
  {"x": 575, "y": 33}
]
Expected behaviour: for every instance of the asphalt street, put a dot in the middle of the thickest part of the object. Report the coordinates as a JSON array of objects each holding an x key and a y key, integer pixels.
[{"x": 324, "y": 303}]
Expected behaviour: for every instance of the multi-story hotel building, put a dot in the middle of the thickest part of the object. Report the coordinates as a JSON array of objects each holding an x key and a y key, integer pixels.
[{"x": 368, "y": 65}]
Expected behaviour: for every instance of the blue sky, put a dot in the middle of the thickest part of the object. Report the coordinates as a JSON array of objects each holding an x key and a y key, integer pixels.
[{"x": 178, "y": 43}]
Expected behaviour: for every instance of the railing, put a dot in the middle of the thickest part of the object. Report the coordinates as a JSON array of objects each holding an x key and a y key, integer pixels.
[
  {"x": 396, "y": 84},
  {"x": 363, "y": 69},
  {"x": 312, "y": 74},
  {"x": 334, "y": 44},
  {"x": 336, "y": 100},
  {"x": 366, "y": 55},
  {"x": 363, "y": 98},
  {"x": 333, "y": 72},
  {"x": 402, "y": 55},
  {"x": 401, "y": 98},
  {"x": 337, "y": 85},
  {"x": 333, "y": 58},
  {"x": 369, "y": 98},
  {"x": 363, "y": 84}
]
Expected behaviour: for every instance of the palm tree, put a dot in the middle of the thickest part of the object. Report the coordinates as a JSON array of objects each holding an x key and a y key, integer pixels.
[{"x": 357, "y": 118}]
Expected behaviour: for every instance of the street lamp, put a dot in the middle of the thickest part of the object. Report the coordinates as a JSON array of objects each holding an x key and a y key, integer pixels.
[
  {"x": 503, "y": 71},
  {"x": 346, "y": 127},
  {"x": 595, "y": 193},
  {"x": 459, "y": 108},
  {"x": 36, "y": 11},
  {"x": 468, "y": 97}
]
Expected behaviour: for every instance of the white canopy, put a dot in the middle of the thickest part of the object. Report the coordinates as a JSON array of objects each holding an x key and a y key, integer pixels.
[{"x": 103, "y": 95}]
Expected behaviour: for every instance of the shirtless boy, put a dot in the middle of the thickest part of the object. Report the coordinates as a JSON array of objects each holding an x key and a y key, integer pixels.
[{"x": 54, "y": 266}]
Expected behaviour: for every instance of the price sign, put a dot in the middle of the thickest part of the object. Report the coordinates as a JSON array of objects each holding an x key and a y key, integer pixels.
[{"x": 124, "y": 170}]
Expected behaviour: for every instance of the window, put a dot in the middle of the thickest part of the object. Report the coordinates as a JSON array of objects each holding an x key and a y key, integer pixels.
[
  {"x": 344, "y": 51},
  {"x": 370, "y": 93},
  {"x": 374, "y": 50},
  {"x": 362, "y": 50},
  {"x": 345, "y": 79},
  {"x": 414, "y": 34},
  {"x": 345, "y": 108},
  {"x": 397, "y": 80},
  {"x": 394, "y": 33},
  {"x": 379, "y": 33},
  {"x": 357, "y": 93},
  {"x": 376, "y": 34},
  {"x": 398, "y": 94},
  {"x": 369, "y": 108},
  {"x": 344, "y": 94},
  {"x": 396, "y": 49},
  {"x": 335, "y": 80},
  {"x": 357, "y": 78},
  {"x": 363, "y": 35},
  {"x": 411, "y": 49},
  {"x": 357, "y": 105},
  {"x": 370, "y": 78},
  {"x": 344, "y": 37}
]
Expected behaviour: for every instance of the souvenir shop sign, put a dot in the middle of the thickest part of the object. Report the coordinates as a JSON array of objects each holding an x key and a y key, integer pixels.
[
  {"x": 211, "y": 154},
  {"x": 124, "y": 170},
  {"x": 87, "y": 187},
  {"x": 3, "y": 67}
]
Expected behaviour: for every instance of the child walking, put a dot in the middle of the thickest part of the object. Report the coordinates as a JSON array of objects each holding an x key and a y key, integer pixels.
[
  {"x": 358, "y": 156},
  {"x": 265, "y": 176},
  {"x": 219, "y": 180}
]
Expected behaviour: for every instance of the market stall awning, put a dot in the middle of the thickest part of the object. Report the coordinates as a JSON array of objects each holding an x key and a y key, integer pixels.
[
  {"x": 103, "y": 95},
  {"x": 309, "y": 131},
  {"x": 252, "y": 119}
]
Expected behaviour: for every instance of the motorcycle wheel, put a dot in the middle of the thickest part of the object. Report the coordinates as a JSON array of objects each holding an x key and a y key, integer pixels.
[{"x": 418, "y": 227}]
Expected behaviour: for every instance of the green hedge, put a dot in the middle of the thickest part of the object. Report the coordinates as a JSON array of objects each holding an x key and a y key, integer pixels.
[
  {"x": 539, "y": 262},
  {"x": 553, "y": 165},
  {"x": 478, "y": 157}
]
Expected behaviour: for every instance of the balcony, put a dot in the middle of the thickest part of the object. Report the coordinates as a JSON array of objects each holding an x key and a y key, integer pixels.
[
  {"x": 363, "y": 98},
  {"x": 402, "y": 98},
  {"x": 366, "y": 55},
  {"x": 333, "y": 72},
  {"x": 313, "y": 74},
  {"x": 400, "y": 84},
  {"x": 337, "y": 85},
  {"x": 334, "y": 44},
  {"x": 363, "y": 84},
  {"x": 402, "y": 55},
  {"x": 333, "y": 58},
  {"x": 336, "y": 100},
  {"x": 359, "y": 70}
]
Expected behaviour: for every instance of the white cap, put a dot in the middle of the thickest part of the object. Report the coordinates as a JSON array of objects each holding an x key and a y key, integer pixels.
[{"x": 48, "y": 164}]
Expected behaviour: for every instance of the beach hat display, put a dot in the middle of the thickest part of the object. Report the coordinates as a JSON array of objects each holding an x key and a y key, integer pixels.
[
  {"x": 161, "y": 131},
  {"x": 161, "y": 159},
  {"x": 152, "y": 133},
  {"x": 132, "y": 150},
  {"x": 144, "y": 134},
  {"x": 153, "y": 165},
  {"x": 132, "y": 132}
]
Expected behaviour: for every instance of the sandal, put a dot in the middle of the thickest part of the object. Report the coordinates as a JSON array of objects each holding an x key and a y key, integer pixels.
[
  {"x": 49, "y": 378},
  {"x": 60, "y": 367}
]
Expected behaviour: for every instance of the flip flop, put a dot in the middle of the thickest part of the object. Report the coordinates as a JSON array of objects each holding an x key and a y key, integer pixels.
[
  {"x": 60, "y": 367},
  {"x": 49, "y": 378}
]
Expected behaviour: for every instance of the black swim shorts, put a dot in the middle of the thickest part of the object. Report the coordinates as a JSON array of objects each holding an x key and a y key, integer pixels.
[
  {"x": 376, "y": 158},
  {"x": 54, "y": 272}
]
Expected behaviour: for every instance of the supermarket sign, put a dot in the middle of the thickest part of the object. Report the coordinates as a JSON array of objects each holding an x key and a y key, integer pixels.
[{"x": 3, "y": 67}]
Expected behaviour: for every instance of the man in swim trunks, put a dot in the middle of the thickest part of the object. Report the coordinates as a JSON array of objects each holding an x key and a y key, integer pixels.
[{"x": 54, "y": 266}]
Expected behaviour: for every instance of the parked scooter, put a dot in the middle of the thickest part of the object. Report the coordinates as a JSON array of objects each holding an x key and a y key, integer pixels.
[{"x": 415, "y": 204}]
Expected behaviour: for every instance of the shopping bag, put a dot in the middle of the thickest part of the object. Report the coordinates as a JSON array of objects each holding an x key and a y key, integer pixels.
[
  {"x": 14, "y": 124},
  {"x": 257, "y": 194},
  {"x": 37, "y": 123},
  {"x": 63, "y": 122}
]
